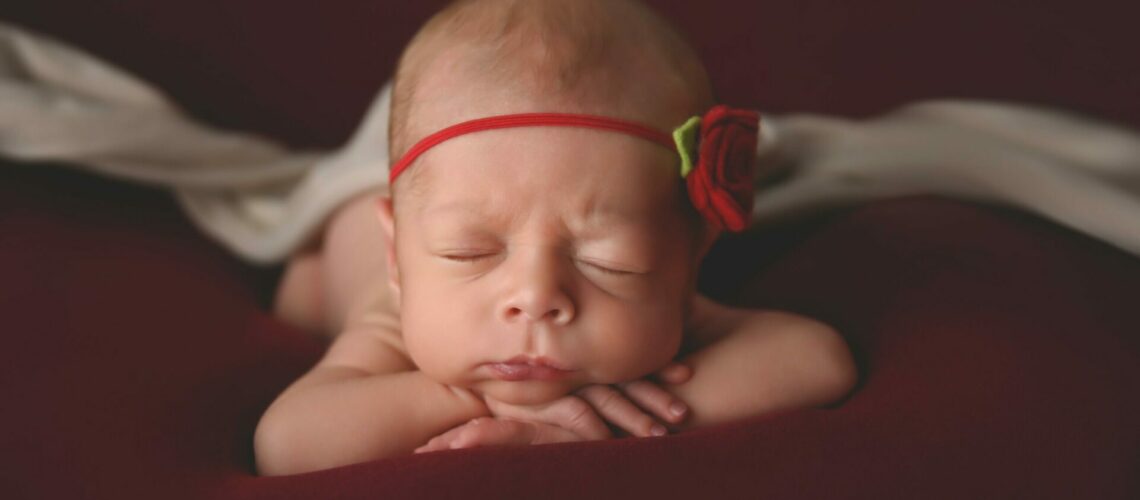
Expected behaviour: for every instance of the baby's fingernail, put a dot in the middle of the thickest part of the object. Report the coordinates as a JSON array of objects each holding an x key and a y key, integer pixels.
[
  {"x": 658, "y": 430},
  {"x": 678, "y": 408}
]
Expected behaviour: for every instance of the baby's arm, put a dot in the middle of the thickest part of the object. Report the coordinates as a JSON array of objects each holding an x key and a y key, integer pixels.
[
  {"x": 363, "y": 401},
  {"x": 750, "y": 362}
]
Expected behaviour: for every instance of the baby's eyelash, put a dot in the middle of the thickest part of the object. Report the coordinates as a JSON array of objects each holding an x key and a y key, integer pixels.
[
  {"x": 607, "y": 270},
  {"x": 466, "y": 258},
  {"x": 603, "y": 269}
]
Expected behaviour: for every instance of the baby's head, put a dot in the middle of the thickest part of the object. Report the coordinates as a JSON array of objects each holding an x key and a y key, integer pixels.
[{"x": 564, "y": 246}]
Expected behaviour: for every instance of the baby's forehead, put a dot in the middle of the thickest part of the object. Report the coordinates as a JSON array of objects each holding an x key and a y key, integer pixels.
[
  {"x": 448, "y": 209},
  {"x": 452, "y": 200},
  {"x": 482, "y": 205},
  {"x": 589, "y": 165},
  {"x": 449, "y": 90}
]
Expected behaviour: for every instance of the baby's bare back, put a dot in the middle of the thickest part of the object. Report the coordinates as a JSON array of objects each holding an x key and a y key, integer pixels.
[{"x": 342, "y": 279}]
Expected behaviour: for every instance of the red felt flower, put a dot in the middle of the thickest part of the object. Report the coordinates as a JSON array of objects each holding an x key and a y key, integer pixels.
[{"x": 720, "y": 186}]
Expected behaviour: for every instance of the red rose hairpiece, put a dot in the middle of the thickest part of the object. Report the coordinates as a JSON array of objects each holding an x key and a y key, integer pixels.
[
  {"x": 720, "y": 185},
  {"x": 716, "y": 150}
]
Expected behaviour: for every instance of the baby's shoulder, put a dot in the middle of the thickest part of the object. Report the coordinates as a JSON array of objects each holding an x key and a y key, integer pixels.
[
  {"x": 374, "y": 307},
  {"x": 709, "y": 321},
  {"x": 372, "y": 338},
  {"x": 373, "y": 345}
]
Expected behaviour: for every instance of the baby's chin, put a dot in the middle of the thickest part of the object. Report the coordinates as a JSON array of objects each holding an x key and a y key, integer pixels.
[{"x": 527, "y": 392}]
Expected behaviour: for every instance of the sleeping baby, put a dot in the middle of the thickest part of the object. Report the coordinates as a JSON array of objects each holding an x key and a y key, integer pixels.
[{"x": 529, "y": 274}]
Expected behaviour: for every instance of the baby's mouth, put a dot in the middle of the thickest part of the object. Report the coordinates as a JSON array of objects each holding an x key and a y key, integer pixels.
[{"x": 528, "y": 368}]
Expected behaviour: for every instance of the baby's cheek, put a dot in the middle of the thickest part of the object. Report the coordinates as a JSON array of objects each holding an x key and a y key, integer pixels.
[
  {"x": 432, "y": 344},
  {"x": 639, "y": 347}
]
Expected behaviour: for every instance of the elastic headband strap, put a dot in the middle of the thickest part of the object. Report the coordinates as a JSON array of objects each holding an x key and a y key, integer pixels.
[{"x": 530, "y": 120}]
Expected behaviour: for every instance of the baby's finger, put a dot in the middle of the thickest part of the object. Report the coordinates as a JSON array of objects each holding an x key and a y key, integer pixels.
[
  {"x": 675, "y": 373},
  {"x": 489, "y": 431},
  {"x": 546, "y": 433},
  {"x": 508, "y": 432},
  {"x": 426, "y": 448},
  {"x": 577, "y": 416},
  {"x": 569, "y": 412},
  {"x": 483, "y": 431},
  {"x": 656, "y": 400},
  {"x": 440, "y": 442},
  {"x": 615, "y": 408}
]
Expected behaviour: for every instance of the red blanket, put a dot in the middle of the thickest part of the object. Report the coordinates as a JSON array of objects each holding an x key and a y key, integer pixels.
[{"x": 999, "y": 354}]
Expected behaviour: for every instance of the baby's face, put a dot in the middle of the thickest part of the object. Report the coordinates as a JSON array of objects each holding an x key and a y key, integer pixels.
[{"x": 539, "y": 260}]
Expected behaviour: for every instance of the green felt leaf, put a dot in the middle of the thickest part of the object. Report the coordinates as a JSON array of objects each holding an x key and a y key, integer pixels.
[{"x": 686, "y": 138}]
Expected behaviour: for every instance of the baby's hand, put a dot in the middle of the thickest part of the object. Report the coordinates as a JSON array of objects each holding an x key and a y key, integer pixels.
[
  {"x": 628, "y": 406},
  {"x": 491, "y": 431},
  {"x": 573, "y": 418},
  {"x": 631, "y": 406},
  {"x": 568, "y": 418}
]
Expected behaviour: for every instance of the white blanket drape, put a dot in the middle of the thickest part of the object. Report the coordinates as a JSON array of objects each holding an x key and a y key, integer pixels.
[{"x": 261, "y": 200}]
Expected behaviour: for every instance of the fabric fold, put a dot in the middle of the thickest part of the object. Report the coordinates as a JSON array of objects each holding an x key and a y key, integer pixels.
[{"x": 262, "y": 200}]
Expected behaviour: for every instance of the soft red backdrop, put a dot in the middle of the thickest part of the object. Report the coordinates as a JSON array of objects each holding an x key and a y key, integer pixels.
[{"x": 999, "y": 353}]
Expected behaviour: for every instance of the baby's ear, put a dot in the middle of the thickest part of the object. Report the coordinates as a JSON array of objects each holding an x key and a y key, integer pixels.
[{"x": 387, "y": 216}]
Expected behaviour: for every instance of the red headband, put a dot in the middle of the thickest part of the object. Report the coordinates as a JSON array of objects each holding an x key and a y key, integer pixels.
[{"x": 719, "y": 184}]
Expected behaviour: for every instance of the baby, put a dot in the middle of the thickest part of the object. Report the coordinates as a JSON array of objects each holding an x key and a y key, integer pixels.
[{"x": 530, "y": 276}]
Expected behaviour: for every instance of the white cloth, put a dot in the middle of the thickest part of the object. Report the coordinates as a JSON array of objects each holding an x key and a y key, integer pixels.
[
  {"x": 261, "y": 200},
  {"x": 251, "y": 194}
]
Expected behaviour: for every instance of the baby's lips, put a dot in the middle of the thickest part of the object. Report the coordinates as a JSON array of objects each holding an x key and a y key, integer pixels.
[{"x": 523, "y": 371}]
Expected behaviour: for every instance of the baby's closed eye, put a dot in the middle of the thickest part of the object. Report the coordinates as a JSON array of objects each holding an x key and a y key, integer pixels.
[
  {"x": 610, "y": 268},
  {"x": 601, "y": 265},
  {"x": 467, "y": 257}
]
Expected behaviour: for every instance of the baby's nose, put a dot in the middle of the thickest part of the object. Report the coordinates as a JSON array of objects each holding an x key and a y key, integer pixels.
[
  {"x": 538, "y": 291},
  {"x": 556, "y": 314}
]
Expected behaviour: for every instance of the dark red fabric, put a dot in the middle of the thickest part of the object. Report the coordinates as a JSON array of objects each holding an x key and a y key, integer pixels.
[
  {"x": 306, "y": 71},
  {"x": 998, "y": 352}
]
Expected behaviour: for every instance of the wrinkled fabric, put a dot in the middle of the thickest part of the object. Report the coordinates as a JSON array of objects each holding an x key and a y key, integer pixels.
[{"x": 262, "y": 200}]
